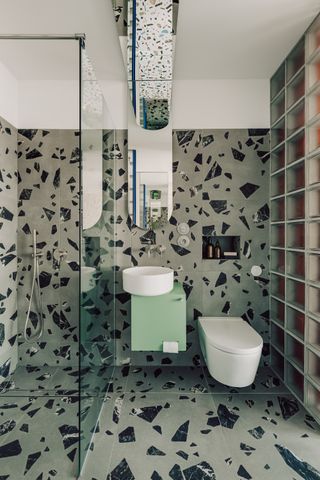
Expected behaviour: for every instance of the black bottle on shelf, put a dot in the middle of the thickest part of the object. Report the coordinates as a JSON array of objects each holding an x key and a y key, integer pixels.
[
  {"x": 217, "y": 254},
  {"x": 209, "y": 249}
]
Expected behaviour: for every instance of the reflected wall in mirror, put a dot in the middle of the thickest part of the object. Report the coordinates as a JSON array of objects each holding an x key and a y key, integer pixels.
[
  {"x": 150, "y": 177},
  {"x": 92, "y": 177},
  {"x": 95, "y": 121},
  {"x": 146, "y": 30}
]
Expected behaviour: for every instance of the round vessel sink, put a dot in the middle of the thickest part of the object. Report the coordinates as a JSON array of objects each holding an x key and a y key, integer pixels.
[{"x": 147, "y": 281}]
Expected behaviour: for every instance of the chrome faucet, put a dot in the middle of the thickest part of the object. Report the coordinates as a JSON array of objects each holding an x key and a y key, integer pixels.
[
  {"x": 59, "y": 256},
  {"x": 160, "y": 249}
]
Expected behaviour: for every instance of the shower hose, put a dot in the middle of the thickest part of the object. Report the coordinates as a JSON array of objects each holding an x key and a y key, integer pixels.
[{"x": 35, "y": 292}]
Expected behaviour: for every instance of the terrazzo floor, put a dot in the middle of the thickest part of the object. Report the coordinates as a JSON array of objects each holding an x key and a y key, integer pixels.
[
  {"x": 39, "y": 420},
  {"x": 163, "y": 423},
  {"x": 157, "y": 423},
  {"x": 39, "y": 438},
  {"x": 46, "y": 380}
]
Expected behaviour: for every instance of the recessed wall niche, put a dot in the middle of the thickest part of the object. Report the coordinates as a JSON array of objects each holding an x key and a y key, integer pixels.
[{"x": 229, "y": 247}]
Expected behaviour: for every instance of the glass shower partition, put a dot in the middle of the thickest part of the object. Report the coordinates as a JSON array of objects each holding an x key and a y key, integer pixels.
[
  {"x": 39, "y": 273},
  {"x": 59, "y": 374},
  {"x": 97, "y": 254}
]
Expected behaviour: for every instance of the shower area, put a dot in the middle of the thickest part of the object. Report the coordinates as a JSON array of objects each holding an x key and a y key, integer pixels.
[{"x": 56, "y": 255}]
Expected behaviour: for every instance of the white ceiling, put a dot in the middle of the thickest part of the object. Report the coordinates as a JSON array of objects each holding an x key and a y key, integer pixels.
[
  {"x": 216, "y": 38},
  {"x": 92, "y": 17},
  {"x": 41, "y": 59},
  {"x": 238, "y": 38}
]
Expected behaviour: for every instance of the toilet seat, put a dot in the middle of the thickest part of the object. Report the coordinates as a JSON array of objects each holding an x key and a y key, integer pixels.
[{"x": 231, "y": 335}]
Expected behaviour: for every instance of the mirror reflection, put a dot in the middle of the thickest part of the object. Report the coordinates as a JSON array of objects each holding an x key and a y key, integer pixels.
[
  {"x": 92, "y": 119},
  {"x": 150, "y": 177},
  {"x": 146, "y": 31}
]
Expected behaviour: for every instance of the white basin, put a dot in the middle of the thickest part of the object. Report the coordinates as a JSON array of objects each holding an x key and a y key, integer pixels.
[
  {"x": 147, "y": 281},
  {"x": 88, "y": 281}
]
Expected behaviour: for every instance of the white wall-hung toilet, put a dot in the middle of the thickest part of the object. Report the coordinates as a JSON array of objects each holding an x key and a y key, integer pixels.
[{"x": 231, "y": 349}]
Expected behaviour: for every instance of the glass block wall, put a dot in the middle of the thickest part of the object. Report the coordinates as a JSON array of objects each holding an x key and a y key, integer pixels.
[{"x": 295, "y": 220}]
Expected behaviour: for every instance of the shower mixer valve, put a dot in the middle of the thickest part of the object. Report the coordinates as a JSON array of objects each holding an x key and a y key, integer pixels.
[
  {"x": 37, "y": 254},
  {"x": 59, "y": 255}
]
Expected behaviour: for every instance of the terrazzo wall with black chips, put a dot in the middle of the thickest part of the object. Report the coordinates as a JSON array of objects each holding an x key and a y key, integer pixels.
[
  {"x": 48, "y": 201},
  {"x": 39, "y": 185},
  {"x": 8, "y": 249},
  {"x": 39, "y": 189},
  {"x": 221, "y": 186}
]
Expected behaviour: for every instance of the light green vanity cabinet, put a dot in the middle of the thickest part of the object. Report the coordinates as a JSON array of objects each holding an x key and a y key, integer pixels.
[{"x": 158, "y": 319}]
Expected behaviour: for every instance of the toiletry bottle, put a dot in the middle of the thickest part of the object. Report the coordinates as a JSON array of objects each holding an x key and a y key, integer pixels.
[
  {"x": 217, "y": 250},
  {"x": 209, "y": 249}
]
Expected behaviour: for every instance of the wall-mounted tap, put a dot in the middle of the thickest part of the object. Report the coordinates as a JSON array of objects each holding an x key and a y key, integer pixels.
[
  {"x": 160, "y": 249},
  {"x": 59, "y": 256}
]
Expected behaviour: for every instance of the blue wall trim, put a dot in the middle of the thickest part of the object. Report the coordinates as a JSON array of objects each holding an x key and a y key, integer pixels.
[
  {"x": 144, "y": 206},
  {"x": 134, "y": 186},
  {"x": 134, "y": 39}
]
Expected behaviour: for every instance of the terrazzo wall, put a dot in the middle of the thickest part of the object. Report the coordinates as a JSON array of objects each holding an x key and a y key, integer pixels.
[
  {"x": 8, "y": 249},
  {"x": 221, "y": 185},
  {"x": 48, "y": 201},
  {"x": 39, "y": 185}
]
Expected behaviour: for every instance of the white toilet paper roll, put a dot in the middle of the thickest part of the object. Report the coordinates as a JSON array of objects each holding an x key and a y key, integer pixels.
[{"x": 170, "y": 347}]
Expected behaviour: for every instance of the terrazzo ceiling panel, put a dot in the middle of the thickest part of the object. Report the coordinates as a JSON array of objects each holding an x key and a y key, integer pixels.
[
  {"x": 221, "y": 188},
  {"x": 154, "y": 49},
  {"x": 154, "y": 44}
]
